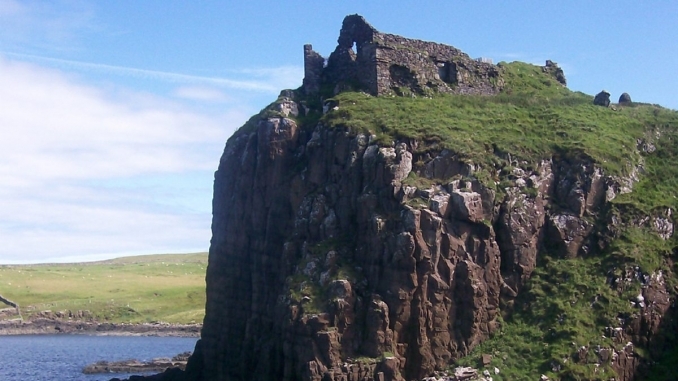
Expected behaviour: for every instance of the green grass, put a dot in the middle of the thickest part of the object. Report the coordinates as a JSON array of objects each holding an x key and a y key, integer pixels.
[
  {"x": 567, "y": 305},
  {"x": 534, "y": 118},
  {"x": 168, "y": 288}
]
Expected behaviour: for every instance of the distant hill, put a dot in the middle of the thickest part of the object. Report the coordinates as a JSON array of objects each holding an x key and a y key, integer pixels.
[{"x": 139, "y": 289}]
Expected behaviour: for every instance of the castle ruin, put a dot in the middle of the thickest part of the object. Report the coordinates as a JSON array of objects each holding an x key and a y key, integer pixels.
[{"x": 381, "y": 64}]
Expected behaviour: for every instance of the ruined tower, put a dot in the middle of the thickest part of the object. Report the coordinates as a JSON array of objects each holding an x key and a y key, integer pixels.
[{"x": 381, "y": 63}]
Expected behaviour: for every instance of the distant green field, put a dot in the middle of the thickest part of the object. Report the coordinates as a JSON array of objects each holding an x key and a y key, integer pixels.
[{"x": 168, "y": 288}]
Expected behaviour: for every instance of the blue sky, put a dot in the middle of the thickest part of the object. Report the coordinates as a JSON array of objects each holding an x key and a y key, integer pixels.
[{"x": 113, "y": 115}]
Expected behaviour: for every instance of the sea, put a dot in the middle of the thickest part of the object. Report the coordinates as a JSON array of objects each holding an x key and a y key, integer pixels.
[{"x": 62, "y": 357}]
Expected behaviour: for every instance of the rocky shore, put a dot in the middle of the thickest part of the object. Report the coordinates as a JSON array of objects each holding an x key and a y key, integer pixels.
[
  {"x": 136, "y": 366},
  {"x": 42, "y": 326}
]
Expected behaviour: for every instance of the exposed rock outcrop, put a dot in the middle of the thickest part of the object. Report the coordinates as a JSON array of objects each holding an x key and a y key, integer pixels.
[
  {"x": 136, "y": 366},
  {"x": 426, "y": 285},
  {"x": 555, "y": 71}
]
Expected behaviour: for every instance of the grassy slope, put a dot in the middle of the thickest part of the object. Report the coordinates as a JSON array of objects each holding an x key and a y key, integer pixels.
[
  {"x": 533, "y": 119},
  {"x": 567, "y": 303},
  {"x": 169, "y": 288}
]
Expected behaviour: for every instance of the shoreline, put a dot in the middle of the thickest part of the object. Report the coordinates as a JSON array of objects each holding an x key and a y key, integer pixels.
[
  {"x": 42, "y": 326},
  {"x": 157, "y": 365}
]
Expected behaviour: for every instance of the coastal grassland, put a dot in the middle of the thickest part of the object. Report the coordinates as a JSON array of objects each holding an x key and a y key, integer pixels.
[{"x": 168, "y": 288}]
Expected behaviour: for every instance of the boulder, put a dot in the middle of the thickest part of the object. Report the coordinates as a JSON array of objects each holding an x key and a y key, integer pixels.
[
  {"x": 602, "y": 99},
  {"x": 467, "y": 206},
  {"x": 624, "y": 98}
]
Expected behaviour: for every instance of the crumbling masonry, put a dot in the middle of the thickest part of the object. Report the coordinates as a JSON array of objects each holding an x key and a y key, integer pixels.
[{"x": 385, "y": 63}]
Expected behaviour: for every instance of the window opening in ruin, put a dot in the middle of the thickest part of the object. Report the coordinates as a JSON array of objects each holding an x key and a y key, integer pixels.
[
  {"x": 452, "y": 73},
  {"x": 447, "y": 71},
  {"x": 354, "y": 48},
  {"x": 442, "y": 71}
]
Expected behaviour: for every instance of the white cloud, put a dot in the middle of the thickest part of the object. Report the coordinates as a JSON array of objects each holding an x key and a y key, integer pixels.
[
  {"x": 66, "y": 146},
  {"x": 53, "y": 126},
  {"x": 59, "y": 139}
]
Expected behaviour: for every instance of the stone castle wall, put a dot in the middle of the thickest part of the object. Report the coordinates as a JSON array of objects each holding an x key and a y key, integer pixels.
[{"x": 381, "y": 63}]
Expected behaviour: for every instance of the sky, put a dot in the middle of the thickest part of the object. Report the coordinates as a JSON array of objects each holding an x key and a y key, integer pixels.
[{"x": 113, "y": 114}]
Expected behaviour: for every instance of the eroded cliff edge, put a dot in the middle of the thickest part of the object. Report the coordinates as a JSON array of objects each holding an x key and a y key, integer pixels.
[{"x": 345, "y": 249}]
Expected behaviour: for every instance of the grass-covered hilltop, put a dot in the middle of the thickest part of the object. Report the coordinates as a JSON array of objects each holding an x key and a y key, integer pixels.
[
  {"x": 141, "y": 289},
  {"x": 442, "y": 212}
]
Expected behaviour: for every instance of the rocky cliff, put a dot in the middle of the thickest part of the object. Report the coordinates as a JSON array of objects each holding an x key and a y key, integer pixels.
[{"x": 359, "y": 238}]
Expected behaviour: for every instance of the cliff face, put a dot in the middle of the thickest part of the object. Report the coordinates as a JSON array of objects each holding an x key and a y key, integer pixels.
[
  {"x": 324, "y": 264},
  {"x": 340, "y": 255},
  {"x": 374, "y": 277}
]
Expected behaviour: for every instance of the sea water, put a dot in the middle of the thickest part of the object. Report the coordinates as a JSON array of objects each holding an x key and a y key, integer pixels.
[{"x": 62, "y": 357}]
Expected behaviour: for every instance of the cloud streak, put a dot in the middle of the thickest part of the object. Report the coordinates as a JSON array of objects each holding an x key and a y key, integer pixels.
[{"x": 272, "y": 79}]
